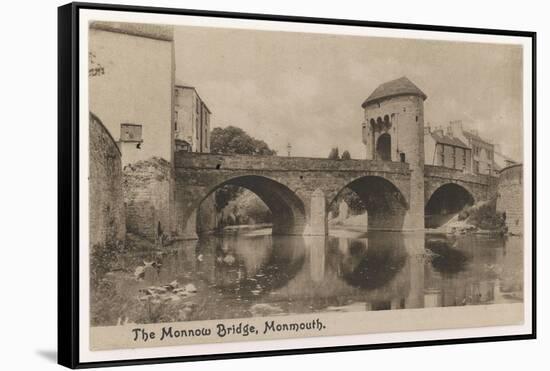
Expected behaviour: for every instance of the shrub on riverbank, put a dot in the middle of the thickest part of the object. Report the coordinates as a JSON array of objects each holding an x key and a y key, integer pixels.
[
  {"x": 484, "y": 216},
  {"x": 106, "y": 306}
]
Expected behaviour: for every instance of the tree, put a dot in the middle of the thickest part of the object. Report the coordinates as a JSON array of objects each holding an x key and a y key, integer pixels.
[
  {"x": 356, "y": 205},
  {"x": 333, "y": 155},
  {"x": 234, "y": 140},
  {"x": 346, "y": 155}
]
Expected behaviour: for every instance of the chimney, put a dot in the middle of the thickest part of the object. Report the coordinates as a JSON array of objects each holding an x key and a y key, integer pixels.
[
  {"x": 456, "y": 128},
  {"x": 438, "y": 131}
]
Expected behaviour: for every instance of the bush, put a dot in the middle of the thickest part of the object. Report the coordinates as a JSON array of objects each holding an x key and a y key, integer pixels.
[
  {"x": 106, "y": 306},
  {"x": 484, "y": 216}
]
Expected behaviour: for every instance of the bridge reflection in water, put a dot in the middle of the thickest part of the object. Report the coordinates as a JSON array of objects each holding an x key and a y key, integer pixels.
[{"x": 260, "y": 274}]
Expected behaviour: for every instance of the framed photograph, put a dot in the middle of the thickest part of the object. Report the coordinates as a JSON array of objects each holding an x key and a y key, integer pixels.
[{"x": 240, "y": 185}]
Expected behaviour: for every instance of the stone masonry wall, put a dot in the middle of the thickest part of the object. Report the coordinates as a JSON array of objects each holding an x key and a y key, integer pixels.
[
  {"x": 207, "y": 219},
  {"x": 107, "y": 220},
  {"x": 510, "y": 197},
  {"x": 147, "y": 195}
]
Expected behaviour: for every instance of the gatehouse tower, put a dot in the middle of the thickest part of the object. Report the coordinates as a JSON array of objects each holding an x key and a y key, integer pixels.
[{"x": 393, "y": 130}]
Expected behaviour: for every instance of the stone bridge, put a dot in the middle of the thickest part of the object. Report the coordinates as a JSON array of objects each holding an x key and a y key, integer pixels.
[
  {"x": 299, "y": 191},
  {"x": 447, "y": 191}
]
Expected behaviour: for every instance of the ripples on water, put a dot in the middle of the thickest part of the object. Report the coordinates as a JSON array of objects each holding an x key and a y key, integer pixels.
[{"x": 259, "y": 274}]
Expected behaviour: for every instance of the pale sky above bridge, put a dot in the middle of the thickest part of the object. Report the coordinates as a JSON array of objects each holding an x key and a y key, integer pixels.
[{"x": 307, "y": 89}]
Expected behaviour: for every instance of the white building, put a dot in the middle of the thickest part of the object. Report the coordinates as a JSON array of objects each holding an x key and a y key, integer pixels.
[
  {"x": 131, "y": 86},
  {"x": 192, "y": 120}
]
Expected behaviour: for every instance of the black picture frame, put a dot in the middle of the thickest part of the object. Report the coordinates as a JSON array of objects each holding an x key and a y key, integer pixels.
[{"x": 68, "y": 181}]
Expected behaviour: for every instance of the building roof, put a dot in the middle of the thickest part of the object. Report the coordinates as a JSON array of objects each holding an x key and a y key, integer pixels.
[
  {"x": 505, "y": 158},
  {"x": 400, "y": 86},
  {"x": 180, "y": 84},
  {"x": 441, "y": 138},
  {"x": 470, "y": 135},
  {"x": 151, "y": 31}
]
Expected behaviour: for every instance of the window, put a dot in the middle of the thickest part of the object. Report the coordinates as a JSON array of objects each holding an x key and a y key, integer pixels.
[
  {"x": 176, "y": 126},
  {"x": 464, "y": 159},
  {"x": 454, "y": 157},
  {"x": 197, "y": 129},
  {"x": 476, "y": 150},
  {"x": 476, "y": 167},
  {"x": 130, "y": 132}
]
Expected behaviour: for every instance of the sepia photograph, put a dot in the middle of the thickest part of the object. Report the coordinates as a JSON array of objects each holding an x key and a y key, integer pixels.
[{"x": 247, "y": 180}]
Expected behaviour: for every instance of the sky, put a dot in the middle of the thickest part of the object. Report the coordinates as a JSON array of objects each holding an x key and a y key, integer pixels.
[{"x": 307, "y": 89}]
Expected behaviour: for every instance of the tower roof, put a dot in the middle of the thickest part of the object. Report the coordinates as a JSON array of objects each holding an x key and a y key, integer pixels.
[{"x": 400, "y": 86}]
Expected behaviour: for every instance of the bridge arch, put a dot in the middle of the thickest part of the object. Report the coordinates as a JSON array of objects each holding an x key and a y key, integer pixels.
[
  {"x": 445, "y": 202},
  {"x": 287, "y": 209},
  {"x": 386, "y": 205}
]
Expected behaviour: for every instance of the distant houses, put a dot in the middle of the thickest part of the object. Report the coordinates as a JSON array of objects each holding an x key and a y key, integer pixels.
[{"x": 457, "y": 148}]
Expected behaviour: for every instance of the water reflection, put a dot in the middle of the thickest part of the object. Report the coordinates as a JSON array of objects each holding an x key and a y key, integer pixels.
[
  {"x": 254, "y": 266},
  {"x": 258, "y": 275},
  {"x": 446, "y": 258},
  {"x": 368, "y": 268}
]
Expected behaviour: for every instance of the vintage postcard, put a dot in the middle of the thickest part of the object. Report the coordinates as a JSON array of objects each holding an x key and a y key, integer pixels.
[{"x": 254, "y": 185}]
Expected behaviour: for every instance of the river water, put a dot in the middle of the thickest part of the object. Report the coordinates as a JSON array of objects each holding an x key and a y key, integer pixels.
[{"x": 252, "y": 273}]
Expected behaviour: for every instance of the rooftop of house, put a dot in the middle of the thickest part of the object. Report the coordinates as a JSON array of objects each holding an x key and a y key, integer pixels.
[
  {"x": 442, "y": 138},
  {"x": 151, "y": 31},
  {"x": 400, "y": 86},
  {"x": 182, "y": 85},
  {"x": 505, "y": 157},
  {"x": 474, "y": 136}
]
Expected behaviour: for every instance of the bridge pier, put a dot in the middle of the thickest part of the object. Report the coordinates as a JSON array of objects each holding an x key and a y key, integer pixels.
[
  {"x": 414, "y": 217},
  {"x": 317, "y": 225},
  {"x": 190, "y": 230}
]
